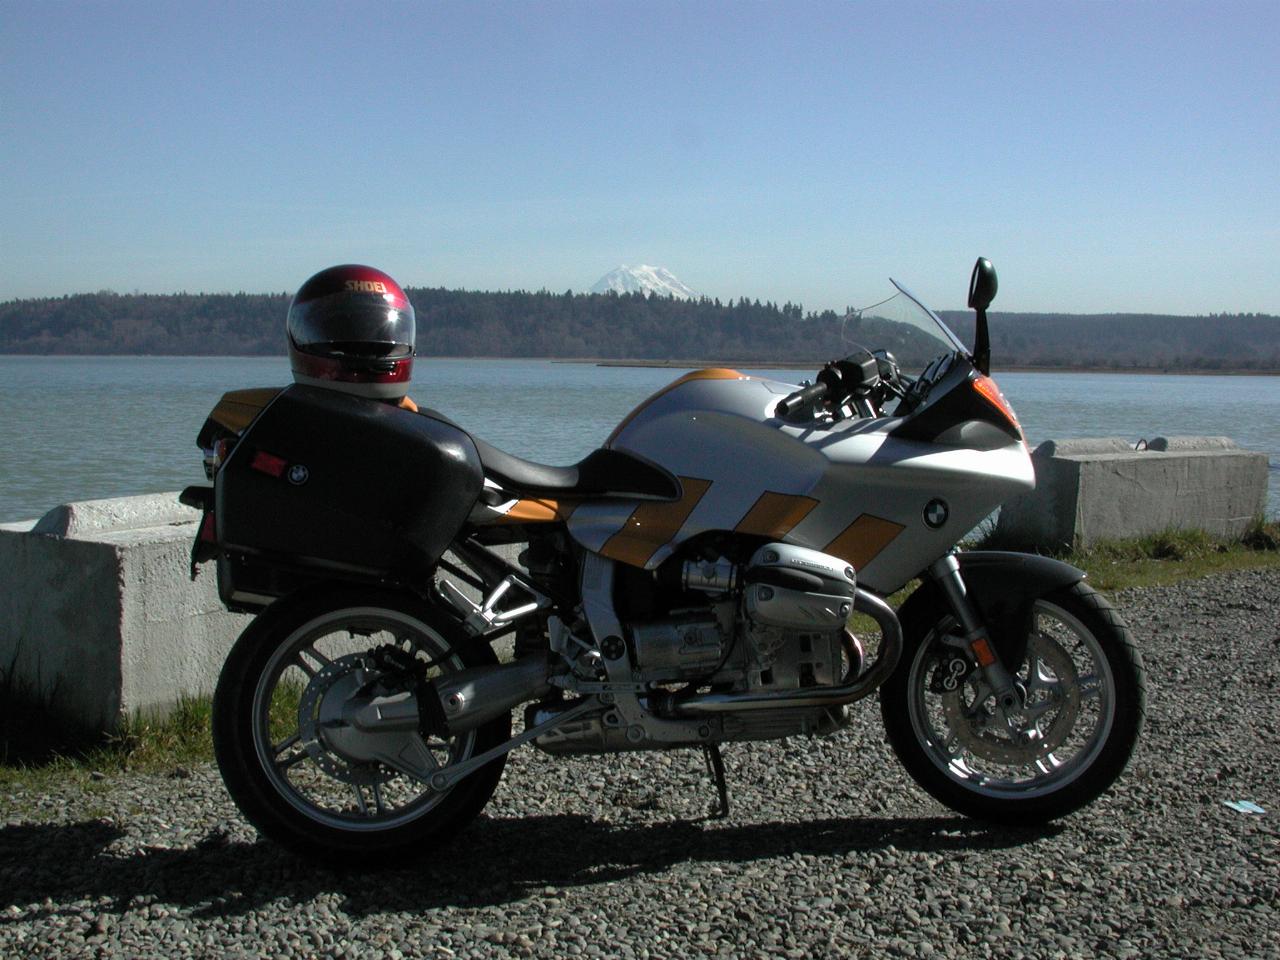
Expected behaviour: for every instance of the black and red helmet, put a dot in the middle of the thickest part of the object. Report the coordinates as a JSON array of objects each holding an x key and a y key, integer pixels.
[{"x": 351, "y": 328}]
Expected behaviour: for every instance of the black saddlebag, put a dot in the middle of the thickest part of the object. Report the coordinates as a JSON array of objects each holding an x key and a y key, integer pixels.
[{"x": 328, "y": 485}]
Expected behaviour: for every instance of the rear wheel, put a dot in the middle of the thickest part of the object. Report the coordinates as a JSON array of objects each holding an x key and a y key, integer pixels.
[
  {"x": 1080, "y": 702},
  {"x": 315, "y": 783}
]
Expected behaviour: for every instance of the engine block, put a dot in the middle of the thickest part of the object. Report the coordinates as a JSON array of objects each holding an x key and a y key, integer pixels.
[{"x": 789, "y": 659}]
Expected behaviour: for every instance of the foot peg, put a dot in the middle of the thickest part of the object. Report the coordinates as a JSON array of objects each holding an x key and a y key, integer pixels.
[{"x": 479, "y": 619}]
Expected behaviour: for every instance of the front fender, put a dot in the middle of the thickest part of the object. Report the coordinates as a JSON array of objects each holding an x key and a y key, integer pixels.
[{"x": 1004, "y": 586}]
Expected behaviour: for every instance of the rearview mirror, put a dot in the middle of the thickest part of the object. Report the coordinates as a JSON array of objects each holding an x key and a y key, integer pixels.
[{"x": 982, "y": 285}]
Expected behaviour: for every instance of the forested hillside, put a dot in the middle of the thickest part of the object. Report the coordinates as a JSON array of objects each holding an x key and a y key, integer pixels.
[{"x": 629, "y": 326}]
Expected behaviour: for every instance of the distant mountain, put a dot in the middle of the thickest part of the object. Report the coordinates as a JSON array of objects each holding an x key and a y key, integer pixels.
[{"x": 644, "y": 279}]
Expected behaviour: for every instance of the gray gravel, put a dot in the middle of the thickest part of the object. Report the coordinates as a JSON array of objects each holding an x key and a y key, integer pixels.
[{"x": 829, "y": 850}]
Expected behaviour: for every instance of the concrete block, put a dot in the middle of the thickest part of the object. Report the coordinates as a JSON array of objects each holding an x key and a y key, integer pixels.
[
  {"x": 99, "y": 618},
  {"x": 1093, "y": 489}
]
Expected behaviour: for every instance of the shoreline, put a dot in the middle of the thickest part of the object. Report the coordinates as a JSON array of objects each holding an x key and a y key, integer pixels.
[
  {"x": 678, "y": 364},
  {"x": 996, "y": 370}
]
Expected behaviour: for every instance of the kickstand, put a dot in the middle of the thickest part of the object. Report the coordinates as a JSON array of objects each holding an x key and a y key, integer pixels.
[{"x": 715, "y": 767}]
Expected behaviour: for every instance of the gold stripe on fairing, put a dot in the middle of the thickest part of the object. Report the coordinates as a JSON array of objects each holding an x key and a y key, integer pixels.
[
  {"x": 237, "y": 408},
  {"x": 537, "y": 511},
  {"x": 774, "y": 514},
  {"x": 653, "y": 524},
  {"x": 862, "y": 540}
]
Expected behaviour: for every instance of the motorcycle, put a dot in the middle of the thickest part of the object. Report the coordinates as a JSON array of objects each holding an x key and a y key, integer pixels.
[{"x": 718, "y": 571}]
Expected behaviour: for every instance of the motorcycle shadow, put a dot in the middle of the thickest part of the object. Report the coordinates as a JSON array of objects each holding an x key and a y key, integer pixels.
[{"x": 506, "y": 860}]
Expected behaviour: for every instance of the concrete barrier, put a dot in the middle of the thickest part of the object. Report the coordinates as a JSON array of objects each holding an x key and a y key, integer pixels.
[
  {"x": 99, "y": 618},
  {"x": 1093, "y": 489}
]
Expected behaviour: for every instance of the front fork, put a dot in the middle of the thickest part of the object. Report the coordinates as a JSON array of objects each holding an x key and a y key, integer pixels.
[{"x": 946, "y": 574}]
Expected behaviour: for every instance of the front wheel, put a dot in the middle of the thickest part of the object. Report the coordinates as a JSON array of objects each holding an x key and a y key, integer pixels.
[
  {"x": 310, "y": 780},
  {"x": 1080, "y": 702}
]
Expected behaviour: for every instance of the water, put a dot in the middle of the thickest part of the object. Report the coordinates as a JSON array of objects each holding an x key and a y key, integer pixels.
[{"x": 81, "y": 428}]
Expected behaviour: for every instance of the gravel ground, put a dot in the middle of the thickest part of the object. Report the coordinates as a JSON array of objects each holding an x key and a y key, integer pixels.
[{"x": 829, "y": 849}]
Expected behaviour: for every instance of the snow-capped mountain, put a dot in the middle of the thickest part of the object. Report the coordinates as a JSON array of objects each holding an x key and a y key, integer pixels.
[{"x": 644, "y": 279}]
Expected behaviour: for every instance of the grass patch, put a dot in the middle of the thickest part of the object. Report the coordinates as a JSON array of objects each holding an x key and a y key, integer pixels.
[
  {"x": 144, "y": 744},
  {"x": 179, "y": 738},
  {"x": 1167, "y": 557}
]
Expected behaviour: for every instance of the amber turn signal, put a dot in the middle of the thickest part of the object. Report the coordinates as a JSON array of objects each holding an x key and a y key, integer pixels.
[{"x": 988, "y": 390}]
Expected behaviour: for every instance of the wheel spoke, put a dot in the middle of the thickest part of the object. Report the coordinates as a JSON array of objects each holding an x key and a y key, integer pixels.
[
  {"x": 315, "y": 655},
  {"x": 360, "y": 801},
  {"x": 1038, "y": 678},
  {"x": 1034, "y": 711},
  {"x": 292, "y": 761},
  {"x": 1090, "y": 686},
  {"x": 377, "y": 798},
  {"x": 1048, "y": 763},
  {"x": 284, "y": 745}
]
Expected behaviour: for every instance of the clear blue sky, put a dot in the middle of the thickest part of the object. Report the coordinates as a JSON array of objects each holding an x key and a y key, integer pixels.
[{"x": 1119, "y": 156}]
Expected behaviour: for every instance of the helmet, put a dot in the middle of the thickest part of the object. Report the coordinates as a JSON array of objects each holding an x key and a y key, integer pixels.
[{"x": 351, "y": 329}]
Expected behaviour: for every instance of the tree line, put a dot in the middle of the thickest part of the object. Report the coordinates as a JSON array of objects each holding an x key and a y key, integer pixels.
[{"x": 461, "y": 323}]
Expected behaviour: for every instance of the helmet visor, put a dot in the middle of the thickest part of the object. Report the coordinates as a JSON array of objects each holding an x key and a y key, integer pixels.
[{"x": 355, "y": 324}]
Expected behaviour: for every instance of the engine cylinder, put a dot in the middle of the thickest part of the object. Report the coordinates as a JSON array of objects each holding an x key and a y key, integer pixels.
[{"x": 796, "y": 588}]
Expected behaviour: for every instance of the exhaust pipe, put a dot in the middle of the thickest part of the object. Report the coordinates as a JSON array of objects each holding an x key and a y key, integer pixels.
[{"x": 877, "y": 673}]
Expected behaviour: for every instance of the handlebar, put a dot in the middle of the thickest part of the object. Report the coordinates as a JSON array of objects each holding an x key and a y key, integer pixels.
[
  {"x": 855, "y": 379},
  {"x": 800, "y": 399}
]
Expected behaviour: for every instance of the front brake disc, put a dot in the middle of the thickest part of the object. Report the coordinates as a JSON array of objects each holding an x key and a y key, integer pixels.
[{"x": 1051, "y": 696}]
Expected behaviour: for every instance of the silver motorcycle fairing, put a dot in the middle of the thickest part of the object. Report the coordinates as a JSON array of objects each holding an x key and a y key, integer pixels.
[{"x": 849, "y": 488}]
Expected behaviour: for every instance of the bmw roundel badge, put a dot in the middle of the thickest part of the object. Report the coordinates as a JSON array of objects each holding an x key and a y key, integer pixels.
[
  {"x": 936, "y": 513},
  {"x": 298, "y": 474}
]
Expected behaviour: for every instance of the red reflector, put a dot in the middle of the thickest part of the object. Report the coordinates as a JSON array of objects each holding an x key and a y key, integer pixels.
[
  {"x": 207, "y": 532},
  {"x": 268, "y": 463},
  {"x": 982, "y": 652}
]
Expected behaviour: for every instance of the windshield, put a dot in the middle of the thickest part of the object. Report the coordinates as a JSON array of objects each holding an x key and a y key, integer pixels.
[{"x": 904, "y": 326}]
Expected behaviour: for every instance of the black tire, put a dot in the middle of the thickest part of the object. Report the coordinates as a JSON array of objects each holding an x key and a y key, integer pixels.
[
  {"x": 289, "y": 800},
  {"x": 925, "y": 733}
]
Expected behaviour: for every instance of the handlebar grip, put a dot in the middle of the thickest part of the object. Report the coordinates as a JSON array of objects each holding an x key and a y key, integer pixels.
[{"x": 795, "y": 401}]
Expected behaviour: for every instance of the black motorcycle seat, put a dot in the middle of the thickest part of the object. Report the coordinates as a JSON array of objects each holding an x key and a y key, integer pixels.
[{"x": 603, "y": 473}]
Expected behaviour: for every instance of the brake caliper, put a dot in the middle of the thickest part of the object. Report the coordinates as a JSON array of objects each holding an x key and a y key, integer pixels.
[{"x": 952, "y": 669}]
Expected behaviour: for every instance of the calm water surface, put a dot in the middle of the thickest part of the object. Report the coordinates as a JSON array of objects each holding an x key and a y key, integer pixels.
[{"x": 81, "y": 428}]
